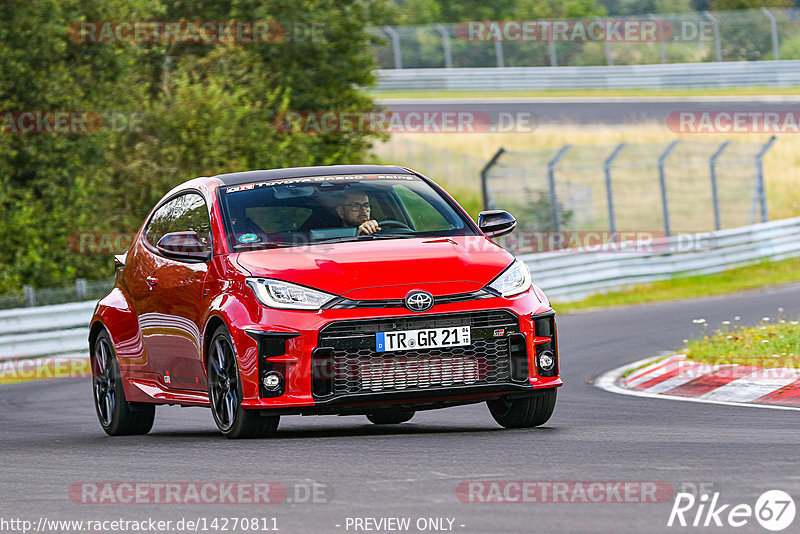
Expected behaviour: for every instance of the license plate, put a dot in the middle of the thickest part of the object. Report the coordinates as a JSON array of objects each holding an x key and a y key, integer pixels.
[{"x": 426, "y": 338}]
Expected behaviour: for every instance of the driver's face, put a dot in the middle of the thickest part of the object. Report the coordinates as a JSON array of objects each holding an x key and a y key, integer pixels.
[{"x": 355, "y": 209}]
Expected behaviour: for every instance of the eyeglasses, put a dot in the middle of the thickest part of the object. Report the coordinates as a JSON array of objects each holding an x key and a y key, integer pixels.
[{"x": 356, "y": 206}]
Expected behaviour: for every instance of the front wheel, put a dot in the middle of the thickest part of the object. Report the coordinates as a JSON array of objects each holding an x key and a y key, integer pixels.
[
  {"x": 117, "y": 416},
  {"x": 524, "y": 412},
  {"x": 225, "y": 394},
  {"x": 390, "y": 417}
]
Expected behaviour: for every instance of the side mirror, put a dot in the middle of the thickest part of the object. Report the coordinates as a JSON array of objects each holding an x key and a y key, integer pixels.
[
  {"x": 183, "y": 246},
  {"x": 495, "y": 223}
]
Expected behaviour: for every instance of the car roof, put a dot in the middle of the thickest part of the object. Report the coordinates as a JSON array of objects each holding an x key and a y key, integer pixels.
[{"x": 238, "y": 178}]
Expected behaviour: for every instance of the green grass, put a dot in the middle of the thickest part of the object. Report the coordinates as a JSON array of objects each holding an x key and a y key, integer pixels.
[
  {"x": 773, "y": 343},
  {"x": 739, "y": 279},
  {"x": 727, "y": 91}
]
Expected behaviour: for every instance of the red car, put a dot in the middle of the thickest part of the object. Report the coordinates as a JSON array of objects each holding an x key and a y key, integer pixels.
[{"x": 320, "y": 290}]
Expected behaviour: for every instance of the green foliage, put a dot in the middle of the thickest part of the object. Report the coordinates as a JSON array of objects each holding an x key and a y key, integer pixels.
[
  {"x": 412, "y": 12},
  {"x": 201, "y": 109}
]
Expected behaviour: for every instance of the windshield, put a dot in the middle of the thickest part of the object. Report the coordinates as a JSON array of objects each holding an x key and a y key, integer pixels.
[{"x": 308, "y": 211}]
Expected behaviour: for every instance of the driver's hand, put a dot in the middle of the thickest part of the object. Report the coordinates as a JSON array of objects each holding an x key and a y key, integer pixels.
[{"x": 369, "y": 227}]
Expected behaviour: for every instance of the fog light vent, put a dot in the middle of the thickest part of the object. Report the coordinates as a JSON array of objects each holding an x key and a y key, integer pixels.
[
  {"x": 273, "y": 381},
  {"x": 547, "y": 361}
]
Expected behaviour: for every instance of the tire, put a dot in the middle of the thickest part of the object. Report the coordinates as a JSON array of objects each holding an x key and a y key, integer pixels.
[
  {"x": 225, "y": 393},
  {"x": 525, "y": 412},
  {"x": 390, "y": 417},
  {"x": 117, "y": 416}
]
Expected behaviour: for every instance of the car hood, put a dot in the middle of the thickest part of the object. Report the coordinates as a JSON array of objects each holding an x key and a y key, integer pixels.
[{"x": 384, "y": 269}]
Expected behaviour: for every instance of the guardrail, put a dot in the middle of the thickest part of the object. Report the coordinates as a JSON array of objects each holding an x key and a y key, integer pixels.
[
  {"x": 62, "y": 329},
  {"x": 572, "y": 275},
  {"x": 58, "y": 330},
  {"x": 785, "y": 73}
]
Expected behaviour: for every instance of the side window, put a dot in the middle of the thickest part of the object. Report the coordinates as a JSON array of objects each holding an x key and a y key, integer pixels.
[
  {"x": 181, "y": 214},
  {"x": 424, "y": 216}
]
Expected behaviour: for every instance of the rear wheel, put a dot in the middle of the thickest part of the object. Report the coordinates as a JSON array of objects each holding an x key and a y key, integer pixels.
[
  {"x": 117, "y": 416},
  {"x": 524, "y": 412},
  {"x": 390, "y": 417},
  {"x": 225, "y": 394}
]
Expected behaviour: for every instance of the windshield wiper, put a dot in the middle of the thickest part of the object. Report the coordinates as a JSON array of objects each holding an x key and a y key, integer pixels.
[
  {"x": 244, "y": 247},
  {"x": 386, "y": 236}
]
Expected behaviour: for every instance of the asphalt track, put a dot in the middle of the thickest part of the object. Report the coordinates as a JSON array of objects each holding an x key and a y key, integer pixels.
[
  {"x": 595, "y": 111},
  {"x": 50, "y": 440}
]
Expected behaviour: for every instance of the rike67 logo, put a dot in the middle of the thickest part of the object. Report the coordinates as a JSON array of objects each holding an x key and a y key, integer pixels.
[{"x": 774, "y": 510}]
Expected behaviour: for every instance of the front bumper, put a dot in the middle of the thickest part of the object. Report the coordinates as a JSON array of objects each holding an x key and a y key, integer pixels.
[{"x": 295, "y": 345}]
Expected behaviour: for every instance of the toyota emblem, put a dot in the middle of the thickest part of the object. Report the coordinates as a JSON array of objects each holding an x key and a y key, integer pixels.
[{"x": 419, "y": 301}]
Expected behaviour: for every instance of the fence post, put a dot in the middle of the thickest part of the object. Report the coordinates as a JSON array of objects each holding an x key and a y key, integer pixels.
[
  {"x": 395, "y": 37},
  {"x": 448, "y": 55},
  {"x": 717, "y": 39},
  {"x": 662, "y": 178},
  {"x": 80, "y": 288},
  {"x": 760, "y": 177},
  {"x": 498, "y": 48},
  {"x": 609, "y": 192},
  {"x": 551, "y": 179},
  {"x": 487, "y": 201},
  {"x": 776, "y": 53},
  {"x": 28, "y": 294},
  {"x": 714, "y": 192}
]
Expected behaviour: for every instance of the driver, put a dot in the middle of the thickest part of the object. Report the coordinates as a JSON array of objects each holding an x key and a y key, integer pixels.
[{"x": 354, "y": 210}]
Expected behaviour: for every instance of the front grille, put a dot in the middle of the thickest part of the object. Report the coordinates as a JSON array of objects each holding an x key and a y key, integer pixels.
[
  {"x": 351, "y": 364},
  {"x": 343, "y": 303}
]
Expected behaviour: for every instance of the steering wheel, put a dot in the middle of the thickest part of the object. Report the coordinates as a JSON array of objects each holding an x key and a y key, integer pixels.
[{"x": 391, "y": 223}]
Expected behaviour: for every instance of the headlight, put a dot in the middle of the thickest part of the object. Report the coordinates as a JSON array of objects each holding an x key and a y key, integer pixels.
[
  {"x": 277, "y": 294},
  {"x": 514, "y": 280}
]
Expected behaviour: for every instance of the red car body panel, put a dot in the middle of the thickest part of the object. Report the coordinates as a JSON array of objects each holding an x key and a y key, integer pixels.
[{"x": 160, "y": 330}]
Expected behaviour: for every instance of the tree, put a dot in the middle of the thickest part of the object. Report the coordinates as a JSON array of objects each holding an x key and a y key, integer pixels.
[{"x": 201, "y": 108}]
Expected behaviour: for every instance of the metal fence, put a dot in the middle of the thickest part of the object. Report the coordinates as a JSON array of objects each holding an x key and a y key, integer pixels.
[
  {"x": 80, "y": 290},
  {"x": 745, "y": 35},
  {"x": 677, "y": 187}
]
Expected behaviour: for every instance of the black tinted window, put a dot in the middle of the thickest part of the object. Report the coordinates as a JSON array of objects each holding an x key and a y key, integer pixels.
[{"x": 181, "y": 214}]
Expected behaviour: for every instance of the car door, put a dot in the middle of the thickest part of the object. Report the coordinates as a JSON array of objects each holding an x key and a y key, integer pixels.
[{"x": 171, "y": 323}]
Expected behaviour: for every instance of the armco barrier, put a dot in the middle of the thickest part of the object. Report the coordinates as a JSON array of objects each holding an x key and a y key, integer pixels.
[
  {"x": 45, "y": 330},
  {"x": 784, "y": 73},
  {"x": 63, "y": 329},
  {"x": 571, "y": 275}
]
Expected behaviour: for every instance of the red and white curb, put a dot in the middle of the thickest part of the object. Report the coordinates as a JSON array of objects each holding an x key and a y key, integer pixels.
[{"x": 676, "y": 378}]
